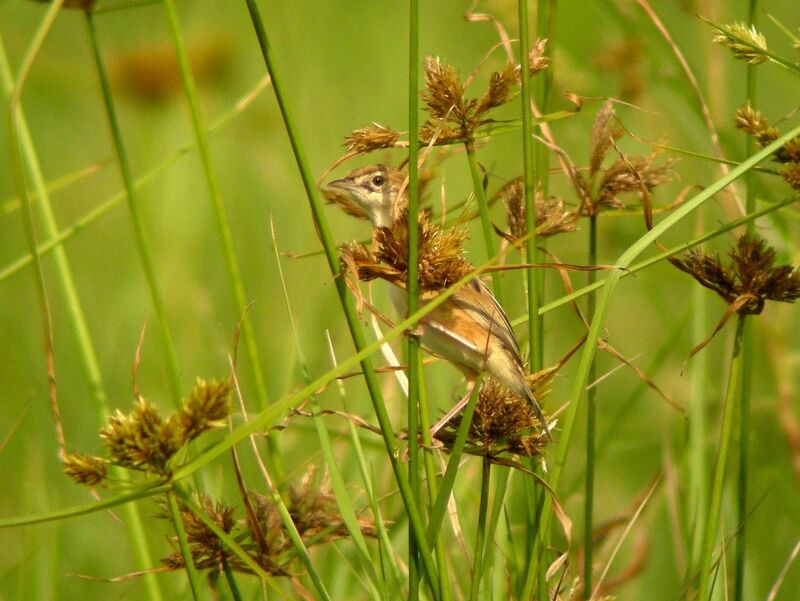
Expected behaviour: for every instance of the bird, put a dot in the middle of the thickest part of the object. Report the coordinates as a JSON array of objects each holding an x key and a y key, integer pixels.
[{"x": 470, "y": 329}]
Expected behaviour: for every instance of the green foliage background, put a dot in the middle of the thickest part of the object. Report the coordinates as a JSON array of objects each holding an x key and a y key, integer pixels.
[{"x": 344, "y": 66}]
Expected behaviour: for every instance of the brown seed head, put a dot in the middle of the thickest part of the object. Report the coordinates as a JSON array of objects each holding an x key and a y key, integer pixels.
[
  {"x": 206, "y": 407},
  {"x": 791, "y": 175},
  {"x": 374, "y": 137},
  {"x": 537, "y": 61},
  {"x": 750, "y": 279},
  {"x": 141, "y": 439},
  {"x": 753, "y": 122},
  {"x": 440, "y": 250},
  {"x": 503, "y": 422},
  {"x": 85, "y": 469},
  {"x": 552, "y": 217}
]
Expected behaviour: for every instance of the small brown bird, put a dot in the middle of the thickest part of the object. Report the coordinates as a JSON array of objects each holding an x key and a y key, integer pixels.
[{"x": 470, "y": 329}]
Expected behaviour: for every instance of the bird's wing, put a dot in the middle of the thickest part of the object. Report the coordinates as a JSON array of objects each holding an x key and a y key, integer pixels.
[{"x": 481, "y": 305}]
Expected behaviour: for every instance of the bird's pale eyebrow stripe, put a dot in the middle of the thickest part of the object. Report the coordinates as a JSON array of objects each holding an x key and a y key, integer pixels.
[{"x": 387, "y": 185}]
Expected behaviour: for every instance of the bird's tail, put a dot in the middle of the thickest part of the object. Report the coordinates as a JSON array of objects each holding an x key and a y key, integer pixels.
[{"x": 538, "y": 411}]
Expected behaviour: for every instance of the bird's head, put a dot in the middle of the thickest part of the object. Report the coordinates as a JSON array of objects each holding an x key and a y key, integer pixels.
[{"x": 375, "y": 189}]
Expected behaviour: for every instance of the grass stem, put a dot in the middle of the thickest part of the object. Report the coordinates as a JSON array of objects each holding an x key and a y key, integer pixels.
[
  {"x": 580, "y": 379},
  {"x": 591, "y": 430},
  {"x": 483, "y": 209},
  {"x": 480, "y": 535},
  {"x": 414, "y": 363},
  {"x": 183, "y": 544},
  {"x": 142, "y": 243},
  {"x": 223, "y": 226},
  {"x": 725, "y": 438},
  {"x": 740, "y": 553},
  {"x": 401, "y": 476}
]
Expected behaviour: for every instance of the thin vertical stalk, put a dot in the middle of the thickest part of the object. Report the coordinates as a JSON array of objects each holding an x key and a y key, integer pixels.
[
  {"x": 622, "y": 263},
  {"x": 483, "y": 209},
  {"x": 740, "y": 553},
  {"x": 537, "y": 159},
  {"x": 340, "y": 491},
  {"x": 725, "y": 438},
  {"x": 698, "y": 426},
  {"x": 545, "y": 29},
  {"x": 502, "y": 477},
  {"x": 591, "y": 430},
  {"x": 449, "y": 478},
  {"x": 433, "y": 488},
  {"x": 26, "y": 212},
  {"x": 183, "y": 544},
  {"x": 87, "y": 353},
  {"x": 412, "y": 285},
  {"x": 412, "y": 507},
  {"x": 480, "y": 535},
  {"x": 744, "y": 445},
  {"x": 142, "y": 244},
  {"x": 75, "y": 312},
  {"x": 223, "y": 227},
  {"x": 528, "y": 190},
  {"x": 230, "y": 577}
]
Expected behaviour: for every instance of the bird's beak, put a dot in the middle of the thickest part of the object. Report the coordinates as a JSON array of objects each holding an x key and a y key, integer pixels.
[{"x": 342, "y": 184}]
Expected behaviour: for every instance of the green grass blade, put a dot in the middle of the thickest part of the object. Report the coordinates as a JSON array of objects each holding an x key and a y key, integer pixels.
[
  {"x": 223, "y": 227},
  {"x": 183, "y": 543},
  {"x": 142, "y": 243},
  {"x": 104, "y": 208},
  {"x": 412, "y": 507},
  {"x": 725, "y": 439},
  {"x": 337, "y": 480},
  {"x": 609, "y": 285}
]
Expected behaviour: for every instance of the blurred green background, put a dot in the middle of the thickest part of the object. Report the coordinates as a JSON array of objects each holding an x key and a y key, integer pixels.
[{"x": 345, "y": 66}]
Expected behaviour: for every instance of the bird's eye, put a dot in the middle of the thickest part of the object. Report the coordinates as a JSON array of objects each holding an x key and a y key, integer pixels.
[{"x": 378, "y": 180}]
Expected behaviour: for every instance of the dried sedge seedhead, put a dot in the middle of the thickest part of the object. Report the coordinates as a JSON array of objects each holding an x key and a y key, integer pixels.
[
  {"x": 311, "y": 505},
  {"x": 754, "y": 123},
  {"x": 503, "y": 422},
  {"x": 751, "y": 278},
  {"x": 753, "y": 262},
  {"x": 313, "y": 509},
  {"x": 141, "y": 439},
  {"x": 444, "y": 97},
  {"x": 440, "y": 260},
  {"x": 206, "y": 407},
  {"x": 208, "y": 550},
  {"x": 627, "y": 174},
  {"x": 85, "y": 469},
  {"x": 552, "y": 217},
  {"x": 356, "y": 258},
  {"x": 501, "y": 91},
  {"x": 151, "y": 73},
  {"x": 374, "y": 137},
  {"x": 453, "y": 116},
  {"x": 632, "y": 174},
  {"x": 537, "y": 61},
  {"x": 746, "y": 43},
  {"x": 789, "y": 152},
  {"x": 791, "y": 175},
  {"x": 605, "y": 131}
]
